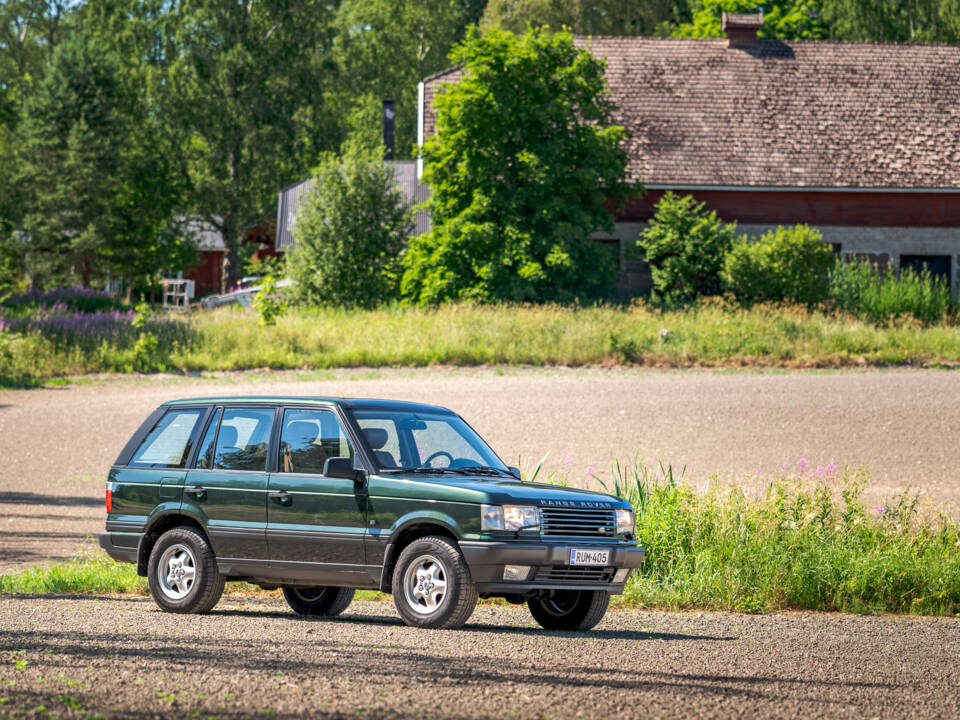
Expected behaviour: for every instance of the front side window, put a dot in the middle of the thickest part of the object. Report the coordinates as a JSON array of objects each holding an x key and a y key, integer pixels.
[
  {"x": 402, "y": 439},
  {"x": 205, "y": 456},
  {"x": 167, "y": 445},
  {"x": 309, "y": 438},
  {"x": 243, "y": 439}
]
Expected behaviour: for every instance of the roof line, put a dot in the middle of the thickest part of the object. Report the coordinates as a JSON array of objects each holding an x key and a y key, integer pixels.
[
  {"x": 804, "y": 188},
  {"x": 436, "y": 76}
]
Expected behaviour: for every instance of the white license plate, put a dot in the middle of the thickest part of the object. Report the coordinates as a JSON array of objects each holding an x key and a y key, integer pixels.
[{"x": 589, "y": 557}]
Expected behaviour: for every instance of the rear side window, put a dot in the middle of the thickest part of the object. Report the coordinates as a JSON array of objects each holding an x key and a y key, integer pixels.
[
  {"x": 309, "y": 439},
  {"x": 243, "y": 439},
  {"x": 168, "y": 443}
]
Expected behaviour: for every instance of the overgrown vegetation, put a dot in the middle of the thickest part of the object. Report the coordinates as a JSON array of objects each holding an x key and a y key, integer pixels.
[
  {"x": 803, "y": 540},
  {"x": 713, "y": 333},
  {"x": 865, "y": 291}
]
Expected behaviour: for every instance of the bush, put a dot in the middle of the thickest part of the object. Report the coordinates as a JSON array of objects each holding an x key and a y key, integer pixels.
[
  {"x": 685, "y": 245},
  {"x": 862, "y": 289},
  {"x": 789, "y": 264},
  {"x": 350, "y": 232}
]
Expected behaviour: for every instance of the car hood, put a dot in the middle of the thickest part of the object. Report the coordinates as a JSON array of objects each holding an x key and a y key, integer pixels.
[{"x": 493, "y": 490}]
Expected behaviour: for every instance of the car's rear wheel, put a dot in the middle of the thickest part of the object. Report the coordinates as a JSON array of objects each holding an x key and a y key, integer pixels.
[
  {"x": 182, "y": 572},
  {"x": 432, "y": 587},
  {"x": 319, "y": 601},
  {"x": 570, "y": 609}
]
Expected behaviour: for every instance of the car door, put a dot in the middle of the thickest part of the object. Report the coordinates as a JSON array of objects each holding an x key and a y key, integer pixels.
[
  {"x": 315, "y": 524},
  {"x": 227, "y": 488}
]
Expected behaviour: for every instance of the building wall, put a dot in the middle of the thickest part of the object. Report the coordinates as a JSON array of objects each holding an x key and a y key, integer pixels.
[{"x": 207, "y": 272}]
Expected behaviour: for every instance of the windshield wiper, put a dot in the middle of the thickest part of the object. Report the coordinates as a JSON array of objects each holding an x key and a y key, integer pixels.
[
  {"x": 487, "y": 470},
  {"x": 421, "y": 470}
]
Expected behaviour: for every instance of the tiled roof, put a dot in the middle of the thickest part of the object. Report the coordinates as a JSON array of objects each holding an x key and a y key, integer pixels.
[{"x": 781, "y": 114}]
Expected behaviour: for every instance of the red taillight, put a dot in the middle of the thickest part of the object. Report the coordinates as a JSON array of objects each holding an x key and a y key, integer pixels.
[{"x": 109, "y": 500}]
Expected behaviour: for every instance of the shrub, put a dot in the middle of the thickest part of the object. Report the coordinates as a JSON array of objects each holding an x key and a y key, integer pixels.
[
  {"x": 350, "y": 231},
  {"x": 76, "y": 298},
  {"x": 789, "y": 264},
  {"x": 685, "y": 245},
  {"x": 862, "y": 289}
]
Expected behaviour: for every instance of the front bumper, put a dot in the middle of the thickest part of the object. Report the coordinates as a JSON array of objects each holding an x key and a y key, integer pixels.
[
  {"x": 549, "y": 566},
  {"x": 117, "y": 552}
]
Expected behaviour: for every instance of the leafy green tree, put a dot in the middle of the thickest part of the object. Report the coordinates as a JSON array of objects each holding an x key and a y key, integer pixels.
[
  {"x": 385, "y": 47},
  {"x": 789, "y": 264},
  {"x": 685, "y": 245},
  {"x": 784, "y": 19},
  {"x": 350, "y": 231},
  {"x": 96, "y": 192},
  {"x": 584, "y": 17},
  {"x": 243, "y": 95},
  {"x": 893, "y": 20},
  {"x": 524, "y": 160}
]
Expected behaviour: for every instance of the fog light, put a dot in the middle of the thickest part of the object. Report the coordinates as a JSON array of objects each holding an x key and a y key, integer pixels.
[
  {"x": 516, "y": 572},
  {"x": 621, "y": 576}
]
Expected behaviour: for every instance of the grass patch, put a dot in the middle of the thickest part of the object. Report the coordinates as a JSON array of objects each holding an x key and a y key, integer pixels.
[
  {"x": 710, "y": 334},
  {"x": 795, "y": 542}
]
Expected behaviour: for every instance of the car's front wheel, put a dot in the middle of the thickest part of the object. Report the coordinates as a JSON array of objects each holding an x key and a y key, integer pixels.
[
  {"x": 318, "y": 601},
  {"x": 182, "y": 572},
  {"x": 570, "y": 609},
  {"x": 432, "y": 587}
]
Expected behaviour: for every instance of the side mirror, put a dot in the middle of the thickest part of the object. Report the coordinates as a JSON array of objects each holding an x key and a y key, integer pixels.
[
  {"x": 342, "y": 467},
  {"x": 515, "y": 471}
]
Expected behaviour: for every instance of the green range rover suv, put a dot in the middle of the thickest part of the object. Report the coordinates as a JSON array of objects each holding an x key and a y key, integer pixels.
[{"x": 320, "y": 496}]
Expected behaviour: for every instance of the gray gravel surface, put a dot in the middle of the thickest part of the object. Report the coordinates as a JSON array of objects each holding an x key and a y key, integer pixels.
[
  {"x": 58, "y": 443},
  {"x": 119, "y": 657}
]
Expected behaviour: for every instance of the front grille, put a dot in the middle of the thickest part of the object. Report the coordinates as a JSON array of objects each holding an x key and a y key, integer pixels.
[
  {"x": 578, "y": 522},
  {"x": 562, "y": 574}
]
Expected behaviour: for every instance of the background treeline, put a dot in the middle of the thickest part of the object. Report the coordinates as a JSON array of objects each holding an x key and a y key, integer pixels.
[{"x": 119, "y": 118}]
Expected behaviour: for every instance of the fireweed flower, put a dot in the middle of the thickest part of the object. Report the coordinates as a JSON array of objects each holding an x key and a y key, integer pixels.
[
  {"x": 831, "y": 467},
  {"x": 568, "y": 461},
  {"x": 802, "y": 464},
  {"x": 589, "y": 470}
]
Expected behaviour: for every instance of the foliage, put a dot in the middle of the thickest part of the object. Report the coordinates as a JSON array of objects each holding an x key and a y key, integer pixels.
[
  {"x": 269, "y": 303},
  {"x": 242, "y": 92},
  {"x": 350, "y": 231},
  {"x": 802, "y": 540},
  {"x": 606, "y": 17},
  {"x": 785, "y": 19},
  {"x": 524, "y": 160},
  {"x": 861, "y": 288},
  {"x": 98, "y": 193},
  {"x": 385, "y": 48},
  {"x": 685, "y": 244},
  {"x": 76, "y": 298},
  {"x": 893, "y": 20},
  {"x": 789, "y": 264}
]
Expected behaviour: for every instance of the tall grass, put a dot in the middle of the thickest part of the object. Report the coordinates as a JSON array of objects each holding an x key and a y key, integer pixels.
[
  {"x": 804, "y": 542},
  {"x": 710, "y": 334},
  {"x": 862, "y": 289},
  {"x": 87, "y": 573}
]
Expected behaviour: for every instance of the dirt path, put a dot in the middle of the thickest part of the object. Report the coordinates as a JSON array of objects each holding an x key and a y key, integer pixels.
[
  {"x": 56, "y": 444},
  {"x": 122, "y": 658}
]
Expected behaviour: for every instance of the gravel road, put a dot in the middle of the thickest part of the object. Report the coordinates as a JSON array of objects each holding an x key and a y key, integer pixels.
[
  {"x": 122, "y": 658},
  {"x": 57, "y": 443}
]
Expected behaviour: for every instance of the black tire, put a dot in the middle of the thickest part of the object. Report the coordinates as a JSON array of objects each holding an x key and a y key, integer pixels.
[
  {"x": 570, "y": 609},
  {"x": 318, "y": 601},
  {"x": 439, "y": 559},
  {"x": 186, "y": 546}
]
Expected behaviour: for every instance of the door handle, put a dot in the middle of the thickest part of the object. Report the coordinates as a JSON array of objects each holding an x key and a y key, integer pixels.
[
  {"x": 281, "y": 496},
  {"x": 198, "y": 492}
]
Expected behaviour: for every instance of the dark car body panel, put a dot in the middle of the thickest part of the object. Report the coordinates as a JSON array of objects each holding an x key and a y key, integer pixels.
[{"x": 294, "y": 528}]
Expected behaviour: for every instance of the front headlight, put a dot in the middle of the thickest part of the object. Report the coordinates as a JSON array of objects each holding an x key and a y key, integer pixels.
[
  {"x": 626, "y": 525},
  {"x": 512, "y": 518}
]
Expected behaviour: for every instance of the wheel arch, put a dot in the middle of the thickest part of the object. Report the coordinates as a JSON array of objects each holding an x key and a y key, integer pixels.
[
  {"x": 157, "y": 527},
  {"x": 412, "y": 530}
]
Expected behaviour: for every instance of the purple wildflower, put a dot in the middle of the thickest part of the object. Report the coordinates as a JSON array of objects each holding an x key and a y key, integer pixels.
[{"x": 802, "y": 464}]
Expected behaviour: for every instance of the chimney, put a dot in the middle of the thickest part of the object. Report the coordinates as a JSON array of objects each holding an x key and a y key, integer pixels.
[
  {"x": 741, "y": 28},
  {"x": 388, "y": 118}
]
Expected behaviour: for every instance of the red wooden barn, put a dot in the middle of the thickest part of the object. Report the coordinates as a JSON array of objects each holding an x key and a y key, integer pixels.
[{"x": 861, "y": 140}]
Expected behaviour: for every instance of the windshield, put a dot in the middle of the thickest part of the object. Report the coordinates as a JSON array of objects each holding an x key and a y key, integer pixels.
[{"x": 406, "y": 440}]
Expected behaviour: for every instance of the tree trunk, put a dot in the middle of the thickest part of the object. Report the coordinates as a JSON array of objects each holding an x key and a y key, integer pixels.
[{"x": 231, "y": 258}]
